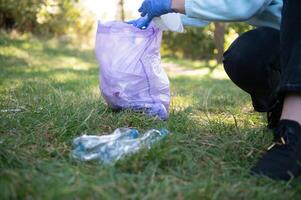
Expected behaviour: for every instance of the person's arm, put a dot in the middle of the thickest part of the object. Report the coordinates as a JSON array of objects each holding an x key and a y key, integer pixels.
[
  {"x": 178, "y": 6},
  {"x": 187, "y": 21},
  {"x": 270, "y": 17},
  {"x": 220, "y": 10}
]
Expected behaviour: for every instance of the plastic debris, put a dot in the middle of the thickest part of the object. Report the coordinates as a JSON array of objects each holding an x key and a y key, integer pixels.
[
  {"x": 131, "y": 76},
  {"x": 110, "y": 148}
]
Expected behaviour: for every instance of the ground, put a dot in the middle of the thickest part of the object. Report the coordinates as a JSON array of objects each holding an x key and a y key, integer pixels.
[{"x": 54, "y": 88}]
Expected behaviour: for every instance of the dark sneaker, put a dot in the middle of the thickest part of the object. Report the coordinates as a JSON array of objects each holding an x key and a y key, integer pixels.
[
  {"x": 283, "y": 158},
  {"x": 274, "y": 114}
]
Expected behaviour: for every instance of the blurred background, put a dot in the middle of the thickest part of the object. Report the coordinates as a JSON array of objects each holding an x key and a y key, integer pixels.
[{"x": 75, "y": 20}]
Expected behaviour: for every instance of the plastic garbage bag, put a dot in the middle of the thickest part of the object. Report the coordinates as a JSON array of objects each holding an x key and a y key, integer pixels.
[
  {"x": 110, "y": 148},
  {"x": 130, "y": 73}
]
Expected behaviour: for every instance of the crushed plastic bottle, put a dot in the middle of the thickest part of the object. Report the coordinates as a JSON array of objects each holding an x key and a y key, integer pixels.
[
  {"x": 110, "y": 148},
  {"x": 87, "y": 147}
]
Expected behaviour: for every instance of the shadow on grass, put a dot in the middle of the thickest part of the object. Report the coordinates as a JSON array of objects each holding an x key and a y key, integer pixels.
[
  {"x": 8, "y": 61},
  {"x": 47, "y": 49},
  {"x": 23, "y": 60}
]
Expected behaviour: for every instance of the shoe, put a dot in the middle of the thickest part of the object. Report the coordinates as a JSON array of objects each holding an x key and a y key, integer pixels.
[
  {"x": 282, "y": 161},
  {"x": 274, "y": 114}
]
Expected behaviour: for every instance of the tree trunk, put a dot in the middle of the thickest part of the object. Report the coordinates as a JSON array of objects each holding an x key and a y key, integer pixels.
[
  {"x": 120, "y": 11},
  {"x": 219, "y": 40}
]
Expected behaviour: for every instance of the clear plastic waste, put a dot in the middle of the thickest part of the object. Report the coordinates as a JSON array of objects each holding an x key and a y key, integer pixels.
[{"x": 110, "y": 148}]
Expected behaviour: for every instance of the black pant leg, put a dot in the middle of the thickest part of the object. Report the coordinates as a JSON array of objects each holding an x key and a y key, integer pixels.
[
  {"x": 291, "y": 47},
  {"x": 253, "y": 62}
]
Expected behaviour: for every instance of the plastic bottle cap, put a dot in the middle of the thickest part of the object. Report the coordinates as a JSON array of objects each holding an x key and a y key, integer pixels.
[{"x": 169, "y": 22}]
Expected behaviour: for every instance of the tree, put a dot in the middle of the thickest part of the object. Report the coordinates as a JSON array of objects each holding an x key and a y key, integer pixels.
[
  {"x": 55, "y": 17},
  {"x": 120, "y": 11},
  {"x": 219, "y": 40}
]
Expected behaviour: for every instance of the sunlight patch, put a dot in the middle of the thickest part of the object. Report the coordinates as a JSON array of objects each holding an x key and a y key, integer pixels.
[
  {"x": 15, "y": 52},
  {"x": 219, "y": 74},
  {"x": 181, "y": 103},
  {"x": 74, "y": 63},
  {"x": 65, "y": 77},
  {"x": 175, "y": 70}
]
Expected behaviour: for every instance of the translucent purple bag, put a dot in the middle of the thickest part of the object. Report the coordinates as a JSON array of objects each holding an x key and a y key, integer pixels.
[{"x": 130, "y": 73}]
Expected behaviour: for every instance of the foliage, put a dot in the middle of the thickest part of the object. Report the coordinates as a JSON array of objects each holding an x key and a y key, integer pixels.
[
  {"x": 61, "y": 17},
  {"x": 194, "y": 43},
  {"x": 43, "y": 16},
  {"x": 198, "y": 43},
  {"x": 239, "y": 27},
  {"x": 216, "y": 137}
]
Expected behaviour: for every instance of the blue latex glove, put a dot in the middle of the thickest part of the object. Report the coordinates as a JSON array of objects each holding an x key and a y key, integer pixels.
[
  {"x": 150, "y": 9},
  {"x": 141, "y": 23}
]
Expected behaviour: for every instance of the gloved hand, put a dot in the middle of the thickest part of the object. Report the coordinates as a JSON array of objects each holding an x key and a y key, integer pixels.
[
  {"x": 141, "y": 23},
  {"x": 150, "y": 9}
]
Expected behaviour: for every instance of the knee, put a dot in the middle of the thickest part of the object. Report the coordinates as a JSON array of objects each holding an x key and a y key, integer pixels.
[
  {"x": 235, "y": 63},
  {"x": 257, "y": 47},
  {"x": 251, "y": 54}
]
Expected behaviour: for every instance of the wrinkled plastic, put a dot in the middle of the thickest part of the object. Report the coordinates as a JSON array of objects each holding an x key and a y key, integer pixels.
[
  {"x": 110, "y": 148},
  {"x": 130, "y": 73},
  {"x": 169, "y": 22}
]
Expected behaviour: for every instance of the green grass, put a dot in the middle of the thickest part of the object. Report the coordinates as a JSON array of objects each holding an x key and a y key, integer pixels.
[{"x": 216, "y": 136}]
